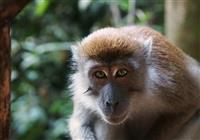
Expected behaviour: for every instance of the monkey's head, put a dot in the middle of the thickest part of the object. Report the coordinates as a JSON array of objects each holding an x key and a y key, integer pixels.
[{"x": 110, "y": 73}]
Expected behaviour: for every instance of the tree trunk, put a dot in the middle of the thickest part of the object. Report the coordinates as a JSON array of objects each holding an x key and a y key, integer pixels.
[
  {"x": 182, "y": 22},
  {"x": 8, "y": 10},
  {"x": 4, "y": 81}
]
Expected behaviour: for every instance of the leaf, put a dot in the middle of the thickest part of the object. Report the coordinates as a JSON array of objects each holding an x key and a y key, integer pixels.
[{"x": 41, "y": 7}]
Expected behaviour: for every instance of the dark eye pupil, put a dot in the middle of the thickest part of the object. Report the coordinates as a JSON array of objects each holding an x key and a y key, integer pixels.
[
  {"x": 121, "y": 73},
  {"x": 100, "y": 74}
]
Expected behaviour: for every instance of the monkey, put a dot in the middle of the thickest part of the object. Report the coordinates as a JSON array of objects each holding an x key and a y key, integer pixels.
[{"x": 131, "y": 83}]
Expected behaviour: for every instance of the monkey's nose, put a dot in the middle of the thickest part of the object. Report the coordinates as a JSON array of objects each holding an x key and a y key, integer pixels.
[{"x": 112, "y": 105}]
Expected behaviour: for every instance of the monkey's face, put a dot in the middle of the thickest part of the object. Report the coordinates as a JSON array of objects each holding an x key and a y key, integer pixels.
[{"x": 114, "y": 85}]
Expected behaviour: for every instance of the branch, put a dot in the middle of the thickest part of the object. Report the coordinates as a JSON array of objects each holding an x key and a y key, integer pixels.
[{"x": 8, "y": 10}]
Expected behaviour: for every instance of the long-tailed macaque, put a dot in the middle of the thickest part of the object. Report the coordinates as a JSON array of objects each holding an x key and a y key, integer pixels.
[{"x": 131, "y": 83}]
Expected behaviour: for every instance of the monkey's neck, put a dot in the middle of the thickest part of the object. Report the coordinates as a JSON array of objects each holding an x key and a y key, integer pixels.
[{"x": 138, "y": 127}]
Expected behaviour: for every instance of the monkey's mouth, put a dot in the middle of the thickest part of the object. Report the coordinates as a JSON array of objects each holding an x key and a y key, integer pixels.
[{"x": 116, "y": 120}]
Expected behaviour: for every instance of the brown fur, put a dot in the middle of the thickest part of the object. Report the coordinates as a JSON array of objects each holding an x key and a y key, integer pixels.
[
  {"x": 125, "y": 40},
  {"x": 105, "y": 41}
]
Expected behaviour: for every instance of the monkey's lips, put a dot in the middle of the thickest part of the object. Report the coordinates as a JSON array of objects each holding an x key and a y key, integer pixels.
[{"x": 116, "y": 119}]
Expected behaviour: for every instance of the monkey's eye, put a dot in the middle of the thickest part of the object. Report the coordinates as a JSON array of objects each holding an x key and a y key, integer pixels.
[
  {"x": 121, "y": 73},
  {"x": 100, "y": 74}
]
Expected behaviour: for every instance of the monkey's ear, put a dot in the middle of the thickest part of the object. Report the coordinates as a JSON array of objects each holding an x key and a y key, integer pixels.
[{"x": 148, "y": 44}]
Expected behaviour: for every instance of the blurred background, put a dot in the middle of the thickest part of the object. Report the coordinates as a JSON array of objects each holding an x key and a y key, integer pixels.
[{"x": 41, "y": 38}]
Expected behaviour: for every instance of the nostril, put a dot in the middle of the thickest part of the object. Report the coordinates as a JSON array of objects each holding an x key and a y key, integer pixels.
[
  {"x": 108, "y": 104},
  {"x": 112, "y": 104},
  {"x": 116, "y": 104}
]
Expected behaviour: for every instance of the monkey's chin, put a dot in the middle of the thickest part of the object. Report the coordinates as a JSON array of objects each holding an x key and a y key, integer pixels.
[{"x": 116, "y": 120}]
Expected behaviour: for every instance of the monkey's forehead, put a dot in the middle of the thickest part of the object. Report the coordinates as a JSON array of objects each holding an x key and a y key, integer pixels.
[{"x": 108, "y": 41}]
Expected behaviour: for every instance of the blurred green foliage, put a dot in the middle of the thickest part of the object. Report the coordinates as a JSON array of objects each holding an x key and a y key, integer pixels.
[{"x": 41, "y": 37}]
